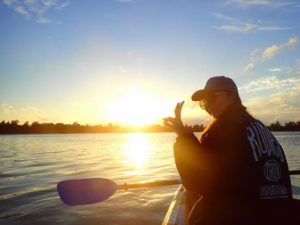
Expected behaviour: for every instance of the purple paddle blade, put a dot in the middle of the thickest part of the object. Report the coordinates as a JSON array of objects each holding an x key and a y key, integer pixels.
[{"x": 85, "y": 191}]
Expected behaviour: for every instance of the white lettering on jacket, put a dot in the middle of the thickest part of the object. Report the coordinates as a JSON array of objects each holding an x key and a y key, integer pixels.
[
  {"x": 272, "y": 170},
  {"x": 263, "y": 143},
  {"x": 270, "y": 191}
]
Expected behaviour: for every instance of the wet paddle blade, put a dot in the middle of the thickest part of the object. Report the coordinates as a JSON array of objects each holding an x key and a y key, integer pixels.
[{"x": 85, "y": 191}]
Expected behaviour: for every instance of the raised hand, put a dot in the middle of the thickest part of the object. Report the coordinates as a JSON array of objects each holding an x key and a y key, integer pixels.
[{"x": 175, "y": 123}]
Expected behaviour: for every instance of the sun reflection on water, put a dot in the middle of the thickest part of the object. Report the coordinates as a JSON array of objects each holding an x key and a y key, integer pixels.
[{"x": 137, "y": 150}]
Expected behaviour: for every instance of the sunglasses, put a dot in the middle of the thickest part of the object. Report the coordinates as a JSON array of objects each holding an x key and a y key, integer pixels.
[{"x": 210, "y": 98}]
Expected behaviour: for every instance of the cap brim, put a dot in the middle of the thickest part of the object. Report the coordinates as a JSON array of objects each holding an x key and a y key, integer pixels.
[{"x": 199, "y": 95}]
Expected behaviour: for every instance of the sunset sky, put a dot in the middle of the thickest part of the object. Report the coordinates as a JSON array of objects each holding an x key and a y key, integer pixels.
[{"x": 131, "y": 61}]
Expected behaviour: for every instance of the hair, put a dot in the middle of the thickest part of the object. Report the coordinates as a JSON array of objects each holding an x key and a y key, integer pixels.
[{"x": 237, "y": 100}]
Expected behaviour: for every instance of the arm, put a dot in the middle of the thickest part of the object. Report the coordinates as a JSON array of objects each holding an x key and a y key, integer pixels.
[{"x": 194, "y": 162}]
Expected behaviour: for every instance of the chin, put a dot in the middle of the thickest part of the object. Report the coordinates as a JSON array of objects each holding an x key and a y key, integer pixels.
[{"x": 215, "y": 115}]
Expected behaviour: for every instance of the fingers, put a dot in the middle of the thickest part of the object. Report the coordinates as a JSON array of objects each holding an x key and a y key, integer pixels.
[
  {"x": 171, "y": 122},
  {"x": 175, "y": 123},
  {"x": 178, "y": 110}
]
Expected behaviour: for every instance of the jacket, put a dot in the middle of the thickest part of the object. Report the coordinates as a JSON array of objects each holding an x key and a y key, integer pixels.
[{"x": 237, "y": 157}]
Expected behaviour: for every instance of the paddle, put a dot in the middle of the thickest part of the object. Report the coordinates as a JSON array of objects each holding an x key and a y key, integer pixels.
[
  {"x": 294, "y": 172},
  {"x": 93, "y": 190}
]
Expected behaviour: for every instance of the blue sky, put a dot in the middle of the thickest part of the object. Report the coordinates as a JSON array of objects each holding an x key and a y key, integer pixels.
[{"x": 84, "y": 61}]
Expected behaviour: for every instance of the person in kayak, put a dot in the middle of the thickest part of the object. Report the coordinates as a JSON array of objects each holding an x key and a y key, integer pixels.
[{"x": 237, "y": 169}]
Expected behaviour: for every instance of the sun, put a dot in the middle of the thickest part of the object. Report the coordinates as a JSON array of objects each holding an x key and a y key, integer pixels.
[{"x": 135, "y": 108}]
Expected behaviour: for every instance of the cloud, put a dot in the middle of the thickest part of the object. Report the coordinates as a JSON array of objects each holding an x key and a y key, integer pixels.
[
  {"x": 21, "y": 10},
  {"x": 122, "y": 69},
  {"x": 9, "y": 112},
  {"x": 272, "y": 109},
  {"x": 260, "y": 3},
  {"x": 240, "y": 28},
  {"x": 7, "y": 108},
  {"x": 43, "y": 20},
  {"x": 275, "y": 70},
  {"x": 273, "y": 50},
  {"x": 271, "y": 83},
  {"x": 270, "y": 52},
  {"x": 294, "y": 70},
  {"x": 283, "y": 102},
  {"x": 36, "y": 8},
  {"x": 249, "y": 66},
  {"x": 252, "y": 60},
  {"x": 261, "y": 56},
  {"x": 124, "y": 1},
  {"x": 234, "y": 25}
]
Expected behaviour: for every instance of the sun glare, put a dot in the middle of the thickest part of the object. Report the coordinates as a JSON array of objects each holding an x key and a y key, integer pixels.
[
  {"x": 136, "y": 109},
  {"x": 137, "y": 151}
]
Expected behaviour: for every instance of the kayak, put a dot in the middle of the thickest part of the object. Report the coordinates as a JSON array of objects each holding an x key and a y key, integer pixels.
[{"x": 176, "y": 211}]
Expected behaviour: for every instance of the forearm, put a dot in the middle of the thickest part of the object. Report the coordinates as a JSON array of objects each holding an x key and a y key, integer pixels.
[{"x": 193, "y": 162}]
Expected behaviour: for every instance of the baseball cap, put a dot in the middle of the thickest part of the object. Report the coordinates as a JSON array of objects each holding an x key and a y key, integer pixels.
[{"x": 215, "y": 84}]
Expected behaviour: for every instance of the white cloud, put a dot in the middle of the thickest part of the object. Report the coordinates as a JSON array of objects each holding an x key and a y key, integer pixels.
[
  {"x": 9, "y": 112},
  {"x": 275, "y": 70},
  {"x": 240, "y": 28},
  {"x": 124, "y": 1},
  {"x": 8, "y": 2},
  {"x": 260, "y": 56},
  {"x": 295, "y": 70},
  {"x": 283, "y": 102},
  {"x": 36, "y": 8},
  {"x": 43, "y": 20},
  {"x": 260, "y": 3},
  {"x": 273, "y": 50},
  {"x": 122, "y": 69},
  {"x": 272, "y": 109},
  {"x": 7, "y": 108},
  {"x": 292, "y": 42},
  {"x": 252, "y": 60},
  {"x": 235, "y": 25},
  {"x": 223, "y": 17},
  {"x": 270, "y": 52},
  {"x": 88, "y": 113},
  {"x": 271, "y": 83},
  {"x": 249, "y": 66},
  {"x": 21, "y": 10}
]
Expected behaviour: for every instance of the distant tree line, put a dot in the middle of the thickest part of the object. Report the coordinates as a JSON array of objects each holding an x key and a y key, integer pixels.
[
  {"x": 288, "y": 126},
  {"x": 13, "y": 127}
]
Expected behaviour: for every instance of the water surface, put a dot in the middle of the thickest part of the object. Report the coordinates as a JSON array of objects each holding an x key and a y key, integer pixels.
[{"x": 31, "y": 166}]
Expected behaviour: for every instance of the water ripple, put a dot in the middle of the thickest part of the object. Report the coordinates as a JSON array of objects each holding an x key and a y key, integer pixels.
[{"x": 32, "y": 165}]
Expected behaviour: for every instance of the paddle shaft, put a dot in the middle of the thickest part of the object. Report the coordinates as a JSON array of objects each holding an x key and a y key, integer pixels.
[
  {"x": 294, "y": 172},
  {"x": 126, "y": 186},
  {"x": 149, "y": 184}
]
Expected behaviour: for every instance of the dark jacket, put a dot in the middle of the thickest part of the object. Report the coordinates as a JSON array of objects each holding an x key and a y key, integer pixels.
[{"x": 236, "y": 160}]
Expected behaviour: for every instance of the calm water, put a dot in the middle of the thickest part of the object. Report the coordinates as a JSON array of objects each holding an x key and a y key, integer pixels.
[{"x": 31, "y": 166}]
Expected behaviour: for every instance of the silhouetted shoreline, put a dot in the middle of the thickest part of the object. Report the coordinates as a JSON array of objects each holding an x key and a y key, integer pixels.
[{"x": 13, "y": 127}]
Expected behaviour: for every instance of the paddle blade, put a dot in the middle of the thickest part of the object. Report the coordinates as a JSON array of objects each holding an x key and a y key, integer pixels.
[{"x": 85, "y": 191}]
